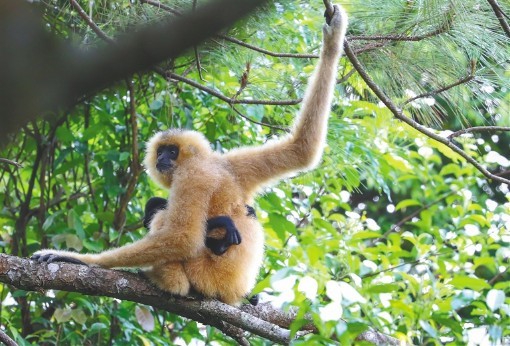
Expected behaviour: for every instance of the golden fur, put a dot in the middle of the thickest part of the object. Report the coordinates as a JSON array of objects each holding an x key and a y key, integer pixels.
[{"x": 205, "y": 184}]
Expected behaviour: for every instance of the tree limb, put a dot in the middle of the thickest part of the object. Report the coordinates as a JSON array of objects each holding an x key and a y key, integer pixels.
[
  {"x": 68, "y": 72},
  {"x": 500, "y": 15},
  {"x": 262, "y": 320},
  {"x": 397, "y": 112},
  {"x": 6, "y": 340}
]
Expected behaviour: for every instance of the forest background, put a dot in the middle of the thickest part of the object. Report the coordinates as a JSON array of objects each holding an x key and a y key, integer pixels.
[{"x": 404, "y": 229}]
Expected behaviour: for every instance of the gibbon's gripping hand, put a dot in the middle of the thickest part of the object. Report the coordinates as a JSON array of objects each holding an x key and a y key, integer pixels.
[
  {"x": 232, "y": 235},
  {"x": 334, "y": 29},
  {"x": 52, "y": 257}
]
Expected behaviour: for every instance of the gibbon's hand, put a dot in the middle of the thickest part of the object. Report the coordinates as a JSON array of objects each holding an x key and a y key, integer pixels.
[
  {"x": 52, "y": 257},
  {"x": 334, "y": 29},
  {"x": 232, "y": 235}
]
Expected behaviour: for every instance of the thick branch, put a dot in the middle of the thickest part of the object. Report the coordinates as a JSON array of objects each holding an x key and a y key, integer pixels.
[
  {"x": 31, "y": 276},
  {"x": 263, "y": 320},
  {"x": 6, "y": 340},
  {"x": 68, "y": 72}
]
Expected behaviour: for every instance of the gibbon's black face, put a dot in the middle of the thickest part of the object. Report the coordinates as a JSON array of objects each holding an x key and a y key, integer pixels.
[{"x": 167, "y": 154}]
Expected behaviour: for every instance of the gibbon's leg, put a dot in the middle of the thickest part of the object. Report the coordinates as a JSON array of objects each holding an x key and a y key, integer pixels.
[
  {"x": 169, "y": 277},
  {"x": 302, "y": 148}
]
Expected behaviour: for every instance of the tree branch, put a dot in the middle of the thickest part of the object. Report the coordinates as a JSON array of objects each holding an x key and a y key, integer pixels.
[
  {"x": 461, "y": 81},
  {"x": 397, "y": 112},
  {"x": 6, "y": 340},
  {"x": 10, "y": 162},
  {"x": 32, "y": 276},
  {"x": 68, "y": 72},
  {"x": 478, "y": 129},
  {"x": 262, "y": 320},
  {"x": 500, "y": 15}
]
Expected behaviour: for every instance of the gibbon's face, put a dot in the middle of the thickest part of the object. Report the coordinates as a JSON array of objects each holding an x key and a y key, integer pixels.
[
  {"x": 169, "y": 150},
  {"x": 166, "y": 157}
]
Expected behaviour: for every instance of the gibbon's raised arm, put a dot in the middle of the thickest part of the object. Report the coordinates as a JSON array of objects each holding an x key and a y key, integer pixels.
[{"x": 302, "y": 148}]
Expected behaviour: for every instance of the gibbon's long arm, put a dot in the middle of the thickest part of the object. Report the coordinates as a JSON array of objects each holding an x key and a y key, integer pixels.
[
  {"x": 303, "y": 147},
  {"x": 176, "y": 234}
]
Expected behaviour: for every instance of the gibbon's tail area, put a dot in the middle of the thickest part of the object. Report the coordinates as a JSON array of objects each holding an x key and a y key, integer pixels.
[{"x": 206, "y": 185}]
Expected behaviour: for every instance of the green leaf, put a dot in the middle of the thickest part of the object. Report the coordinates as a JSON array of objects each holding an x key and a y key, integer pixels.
[
  {"x": 74, "y": 222},
  {"x": 407, "y": 203},
  {"x": 62, "y": 315},
  {"x": 462, "y": 281},
  {"x": 383, "y": 288}
]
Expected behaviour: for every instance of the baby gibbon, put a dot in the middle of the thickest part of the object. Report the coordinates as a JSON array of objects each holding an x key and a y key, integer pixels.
[{"x": 206, "y": 184}]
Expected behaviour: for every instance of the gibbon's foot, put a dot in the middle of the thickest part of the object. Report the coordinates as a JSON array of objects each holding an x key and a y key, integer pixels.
[
  {"x": 254, "y": 300},
  {"x": 50, "y": 258}
]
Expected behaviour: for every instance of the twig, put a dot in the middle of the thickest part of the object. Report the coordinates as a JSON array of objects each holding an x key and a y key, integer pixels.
[
  {"x": 397, "y": 112},
  {"x": 500, "y": 15},
  {"x": 135, "y": 166},
  {"x": 195, "y": 50},
  {"x": 411, "y": 216},
  {"x": 413, "y": 263},
  {"x": 10, "y": 162},
  {"x": 276, "y": 127},
  {"x": 478, "y": 129},
  {"x": 498, "y": 276},
  {"x": 267, "y": 52},
  {"x": 90, "y": 22},
  {"x": 227, "y": 99},
  {"x": 401, "y": 37},
  {"x": 464, "y": 80}
]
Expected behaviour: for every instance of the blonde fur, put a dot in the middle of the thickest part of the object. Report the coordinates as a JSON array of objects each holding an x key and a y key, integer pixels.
[{"x": 205, "y": 184}]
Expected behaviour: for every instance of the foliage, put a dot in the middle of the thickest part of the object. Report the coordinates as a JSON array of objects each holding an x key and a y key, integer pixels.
[{"x": 393, "y": 231}]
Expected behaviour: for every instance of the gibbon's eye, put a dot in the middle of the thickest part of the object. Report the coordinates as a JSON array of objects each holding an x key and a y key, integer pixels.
[{"x": 167, "y": 154}]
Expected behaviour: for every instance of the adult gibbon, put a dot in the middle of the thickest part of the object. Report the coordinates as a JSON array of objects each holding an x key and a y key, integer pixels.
[{"x": 206, "y": 184}]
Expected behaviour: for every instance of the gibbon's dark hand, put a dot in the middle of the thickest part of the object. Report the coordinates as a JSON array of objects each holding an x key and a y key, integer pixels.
[
  {"x": 232, "y": 235},
  {"x": 329, "y": 16},
  {"x": 50, "y": 258}
]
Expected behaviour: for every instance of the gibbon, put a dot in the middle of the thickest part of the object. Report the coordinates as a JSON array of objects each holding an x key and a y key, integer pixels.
[{"x": 206, "y": 184}]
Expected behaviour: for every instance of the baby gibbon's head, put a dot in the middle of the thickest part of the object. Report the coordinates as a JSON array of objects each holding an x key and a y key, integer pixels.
[{"x": 168, "y": 150}]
